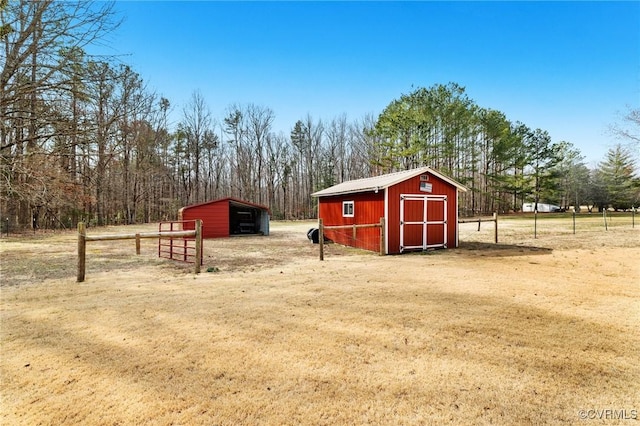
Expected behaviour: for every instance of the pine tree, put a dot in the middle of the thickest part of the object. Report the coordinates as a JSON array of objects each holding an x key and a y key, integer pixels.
[{"x": 621, "y": 186}]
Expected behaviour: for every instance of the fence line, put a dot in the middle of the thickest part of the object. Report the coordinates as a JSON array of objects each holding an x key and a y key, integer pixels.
[
  {"x": 493, "y": 219},
  {"x": 354, "y": 227},
  {"x": 605, "y": 219},
  {"x": 83, "y": 238},
  {"x": 566, "y": 222}
]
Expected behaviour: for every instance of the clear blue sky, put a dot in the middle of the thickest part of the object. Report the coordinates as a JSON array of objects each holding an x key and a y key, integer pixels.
[{"x": 569, "y": 68}]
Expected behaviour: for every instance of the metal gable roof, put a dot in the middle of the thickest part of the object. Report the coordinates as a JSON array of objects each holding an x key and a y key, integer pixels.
[
  {"x": 231, "y": 201},
  {"x": 382, "y": 182}
]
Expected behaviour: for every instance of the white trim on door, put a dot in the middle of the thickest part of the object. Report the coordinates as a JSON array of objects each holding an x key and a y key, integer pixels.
[{"x": 425, "y": 220}]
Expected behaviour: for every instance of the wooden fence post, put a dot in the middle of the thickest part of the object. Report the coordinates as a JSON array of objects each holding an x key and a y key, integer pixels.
[
  {"x": 382, "y": 238},
  {"x": 198, "y": 259},
  {"x": 321, "y": 238},
  {"x": 138, "y": 244},
  {"x": 82, "y": 251},
  {"x": 495, "y": 226}
]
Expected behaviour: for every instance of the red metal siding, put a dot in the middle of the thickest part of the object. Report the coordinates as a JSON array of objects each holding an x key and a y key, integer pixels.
[
  {"x": 214, "y": 216},
  {"x": 414, "y": 210},
  {"x": 368, "y": 209}
]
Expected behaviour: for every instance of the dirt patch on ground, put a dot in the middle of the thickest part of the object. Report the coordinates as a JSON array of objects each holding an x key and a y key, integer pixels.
[{"x": 534, "y": 330}]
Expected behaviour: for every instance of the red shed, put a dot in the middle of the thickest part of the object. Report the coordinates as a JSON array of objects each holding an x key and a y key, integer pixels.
[
  {"x": 228, "y": 216},
  {"x": 420, "y": 208}
]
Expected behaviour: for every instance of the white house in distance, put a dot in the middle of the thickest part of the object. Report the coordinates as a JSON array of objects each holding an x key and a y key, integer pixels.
[{"x": 542, "y": 208}]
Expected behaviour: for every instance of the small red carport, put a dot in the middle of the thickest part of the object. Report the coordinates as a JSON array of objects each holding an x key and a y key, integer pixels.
[
  {"x": 228, "y": 216},
  {"x": 420, "y": 208}
]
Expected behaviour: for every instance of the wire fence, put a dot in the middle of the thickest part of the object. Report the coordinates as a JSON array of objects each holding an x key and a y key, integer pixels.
[
  {"x": 574, "y": 223},
  {"x": 364, "y": 236},
  {"x": 514, "y": 228}
]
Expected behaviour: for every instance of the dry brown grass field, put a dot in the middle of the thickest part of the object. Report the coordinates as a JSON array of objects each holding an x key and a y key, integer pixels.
[{"x": 530, "y": 331}]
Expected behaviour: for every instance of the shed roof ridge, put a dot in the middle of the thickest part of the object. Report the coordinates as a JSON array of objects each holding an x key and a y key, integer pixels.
[
  {"x": 394, "y": 174},
  {"x": 373, "y": 182}
]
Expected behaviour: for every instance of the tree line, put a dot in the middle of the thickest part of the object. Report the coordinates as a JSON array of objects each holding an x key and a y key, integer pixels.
[
  {"x": 503, "y": 163},
  {"x": 83, "y": 138}
]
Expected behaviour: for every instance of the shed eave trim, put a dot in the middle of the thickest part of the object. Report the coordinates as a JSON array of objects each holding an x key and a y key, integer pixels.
[{"x": 334, "y": 194}]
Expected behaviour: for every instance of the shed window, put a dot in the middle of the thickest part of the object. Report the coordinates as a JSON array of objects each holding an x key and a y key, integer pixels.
[{"x": 347, "y": 209}]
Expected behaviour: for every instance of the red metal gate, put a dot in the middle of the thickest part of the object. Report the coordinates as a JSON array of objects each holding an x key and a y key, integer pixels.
[{"x": 178, "y": 248}]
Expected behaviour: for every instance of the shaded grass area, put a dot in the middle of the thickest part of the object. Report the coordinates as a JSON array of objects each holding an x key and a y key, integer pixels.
[{"x": 500, "y": 250}]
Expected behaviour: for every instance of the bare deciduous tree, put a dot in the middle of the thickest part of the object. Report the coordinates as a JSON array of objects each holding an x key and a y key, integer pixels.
[
  {"x": 197, "y": 125},
  {"x": 41, "y": 46}
]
